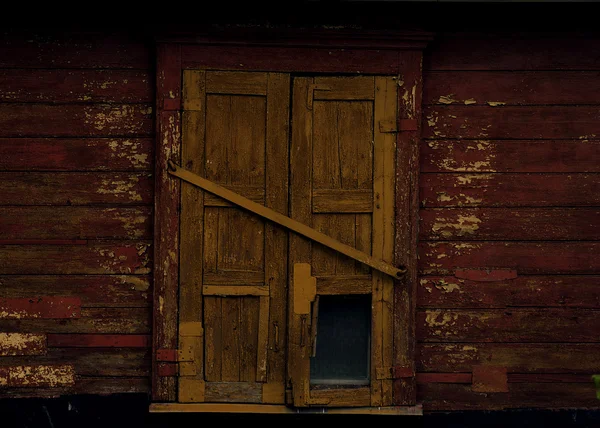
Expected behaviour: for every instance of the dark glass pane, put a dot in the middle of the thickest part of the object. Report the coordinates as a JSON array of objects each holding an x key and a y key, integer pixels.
[{"x": 343, "y": 341}]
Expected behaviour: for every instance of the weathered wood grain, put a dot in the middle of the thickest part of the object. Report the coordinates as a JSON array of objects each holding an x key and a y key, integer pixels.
[
  {"x": 44, "y": 188},
  {"x": 71, "y": 50},
  {"x": 40, "y": 307},
  {"x": 71, "y": 154},
  {"x": 525, "y": 122},
  {"x": 510, "y": 190},
  {"x": 93, "y": 290},
  {"x": 117, "y": 257},
  {"x": 22, "y": 344},
  {"x": 92, "y": 361},
  {"x": 93, "y": 320},
  {"x": 528, "y": 258},
  {"x": 446, "y": 396},
  {"x": 98, "y": 341},
  {"x": 517, "y": 357},
  {"x": 75, "y": 223},
  {"x": 504, "y": 50},
  {"x": 505, "y": 224},
  {"x": 37, "y": 375},
  {"x": 290, "y": 60},
  {"x": 508, "y": 325},
  {"x": 512, "y": 87},
  {"x": 85, "y": 385},
  {"x": 580, "y": 291},
  {"x": 70, "y": 120},
  {"x": 578, "y": 155},
  {"x": 233, "y": 392},
  {"x": 78, "y": 86}
]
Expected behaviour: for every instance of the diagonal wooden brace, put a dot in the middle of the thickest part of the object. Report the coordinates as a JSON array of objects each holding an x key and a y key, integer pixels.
[{"x": 285, "y": 221}]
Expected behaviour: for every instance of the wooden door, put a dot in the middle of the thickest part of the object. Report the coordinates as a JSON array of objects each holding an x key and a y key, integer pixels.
[
  {"x": 233, "y": 265},
  {"x": 342, "y": 183}
]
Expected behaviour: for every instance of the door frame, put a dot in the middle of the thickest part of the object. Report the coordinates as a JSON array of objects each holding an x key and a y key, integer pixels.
[{"x": 293, "y": 51}]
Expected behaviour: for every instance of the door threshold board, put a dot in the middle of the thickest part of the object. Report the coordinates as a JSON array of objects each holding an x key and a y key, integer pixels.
[{"x": 416, "y": 410}]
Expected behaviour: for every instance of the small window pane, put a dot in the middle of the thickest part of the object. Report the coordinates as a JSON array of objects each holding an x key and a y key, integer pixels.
[{"x": 343, "y": 341}]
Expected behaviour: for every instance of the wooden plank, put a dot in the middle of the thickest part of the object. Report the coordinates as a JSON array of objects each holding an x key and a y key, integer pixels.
[
  {"x": 349, "y": 284},
  {"x": 342, "y": 201},
  {"x": 512, "y": 87},
  {"x": 451, "y": 397},
  {"x": 407, "y": 218},
  {"x": 98, "y": 341},
  {"x": 230, "y": 336},
  {"x": 276, "y": 238},
  {"x": 70, "y": 120},
  {"x": 72, "y": 154},
  {"x": 117, "y": 257},
  {"x": 383, "y": 221},
  {"x": 93, "y": 320},
  {"x": 489, "y": 379},
  {"x": 526, "y": 224},
  {"x": 39, "y": 188},
  {"x": 548, "y": 378},
  {"x": 233, "y": 278},
  {"x": 166, "y": 208},
  {"x": 517, "y": 357},
  {"x": 301, "y": 172},
  {"x": 355, "y": 397},
  {"x": 93, "y": 290},
  {"x": 283, "y": 59},
  {"x": 345, "y": 88},
  {"x": 22, "y": 344},
  {"x": 262, "y": 340},
  {"x": 512, "y": 325},
  {"x": 191, "y": 224},
  {"x": 511, "y": 156},
  {"x": 493, "y": 190},
  {"x": 76, "y": 86},
  {"x": 235, "y": 290},
  {"x": 528, "y": 258},
  {"x": 85, "y": 385},
  {"x": 285, "y": 221},
  {"x": 75, "y": 223},
  {"x": 509, "y": 51},
  {"x": 252, "y": 356},
  {"x": 92, "y": 361},
  {"x": 42, "y": 307},
  {"x": 531, "y": 290},
  {"x": 37, "y": 376},
  {"x": 72, "y": 50},
  {"x": 512, "y": 122},
  {"x": 444, "y": 378},
  {"x": 231, "y": 82}
]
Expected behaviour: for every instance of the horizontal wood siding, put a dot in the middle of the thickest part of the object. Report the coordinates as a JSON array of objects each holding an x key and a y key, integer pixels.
[
  {"x": 76, "y": 194},
  {"x": 510, "y": 185}
]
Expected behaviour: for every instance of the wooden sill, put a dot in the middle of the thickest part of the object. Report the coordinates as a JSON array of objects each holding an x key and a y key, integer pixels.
[{"x": 280, "y": 409}]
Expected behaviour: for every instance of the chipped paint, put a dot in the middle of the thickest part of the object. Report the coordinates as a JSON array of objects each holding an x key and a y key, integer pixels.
[
  {"x": 462, "y": 226},
  {"x": 470, "y": 101},
  {"x": 161, "y": 304},
  {"x": 137, "y": 284},
  {"x": 121, "y": 188},
  {"x": 469, "y": 178},
  {"x": 39, "y": 376},
  {"x": 22, "y": 344},
  {"x": 439, "y": 318},
  {"x": 495, "y": 103},
  {"x": 447, "y": 99},
  {"x": 447, "y": 287}
]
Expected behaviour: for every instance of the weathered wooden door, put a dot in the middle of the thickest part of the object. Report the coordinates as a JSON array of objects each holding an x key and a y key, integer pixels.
[
  {"x": 342, "y": 184},
  {"x": 233, "y": 265},
  {"x": 242, "y": 284}
]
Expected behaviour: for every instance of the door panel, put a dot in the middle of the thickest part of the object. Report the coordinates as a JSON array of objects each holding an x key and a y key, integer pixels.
[
  {"x": 342, "y": 169},
  {"x": 233, "y": 264}
]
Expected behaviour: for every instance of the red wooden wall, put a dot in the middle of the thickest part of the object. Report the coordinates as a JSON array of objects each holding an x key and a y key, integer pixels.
[
  {"x": 509, "y": 181},
  {"x": 76, "y": 192}
]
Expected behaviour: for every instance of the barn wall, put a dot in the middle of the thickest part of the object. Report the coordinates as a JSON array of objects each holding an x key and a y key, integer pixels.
[
  {"x": 76, "y": 193},
  {"x": 510, "y": 180}
]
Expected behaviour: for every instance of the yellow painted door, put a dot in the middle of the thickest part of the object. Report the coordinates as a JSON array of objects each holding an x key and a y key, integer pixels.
[
  {"x": 342, "y": 159},
  {"x": 233, "y": 265}
]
